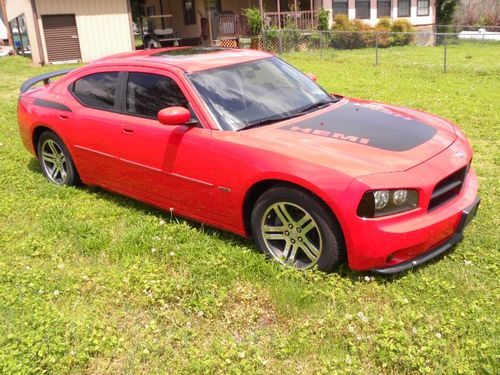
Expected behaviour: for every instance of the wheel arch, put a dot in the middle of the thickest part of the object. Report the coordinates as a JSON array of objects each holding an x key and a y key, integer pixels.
[
  {"x": 258, "y": 188},
  {"x": 37, "y": 132}
]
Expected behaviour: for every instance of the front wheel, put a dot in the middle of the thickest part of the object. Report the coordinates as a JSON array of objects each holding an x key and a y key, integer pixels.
[
  {"x": 294, "y": 228},
  {"x": 55, "y": 160}
]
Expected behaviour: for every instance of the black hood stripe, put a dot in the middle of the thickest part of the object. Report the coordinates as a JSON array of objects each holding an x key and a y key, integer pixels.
[{"x": 367, "y": 124}]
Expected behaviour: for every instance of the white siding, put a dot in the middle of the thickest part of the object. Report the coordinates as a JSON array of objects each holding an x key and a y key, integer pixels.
[{"x": 103, "y": 25}]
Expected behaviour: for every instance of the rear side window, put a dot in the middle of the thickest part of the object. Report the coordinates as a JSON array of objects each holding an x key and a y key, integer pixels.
[
  {"x": 97, "y": 90},
  {"x": 147, "y": 94}
]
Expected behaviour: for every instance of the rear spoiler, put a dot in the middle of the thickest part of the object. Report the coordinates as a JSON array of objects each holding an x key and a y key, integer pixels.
[{"x": 42, "y": 77}]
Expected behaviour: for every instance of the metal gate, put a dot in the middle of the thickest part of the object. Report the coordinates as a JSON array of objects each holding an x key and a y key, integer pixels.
[{"x": 61, "y": 37}]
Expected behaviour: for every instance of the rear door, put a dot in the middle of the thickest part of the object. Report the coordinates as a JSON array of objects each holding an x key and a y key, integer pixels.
[{"x": 95, "y": 125}]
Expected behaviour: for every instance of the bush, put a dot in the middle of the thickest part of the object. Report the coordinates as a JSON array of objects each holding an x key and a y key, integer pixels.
[
  {"x": 323, "y": 18},
  {"x": 383, "y": 29},
  {"x": 348, "y": 36},
  {"x": 402, "y": 26},
  {"x": 254, "y": 20},
  {"x": 341, "y": 23},
  {"x": 384, "y": 23}
]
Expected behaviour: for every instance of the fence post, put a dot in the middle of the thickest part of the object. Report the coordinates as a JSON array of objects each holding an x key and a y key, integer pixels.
[
  {"x": 280, "y": 42},
  {"x": 376, "y": 49},
  {"x": 321, "y": 44},
  {"x": 445, "y": 53}
]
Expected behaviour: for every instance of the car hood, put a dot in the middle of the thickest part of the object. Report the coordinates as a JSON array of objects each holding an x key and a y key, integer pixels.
[{"x": 358, "y": 137}]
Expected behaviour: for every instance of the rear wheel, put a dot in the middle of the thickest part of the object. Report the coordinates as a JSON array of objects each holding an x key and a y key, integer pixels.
[
  {"x": 55, "y": 161},
  {"x": 295, "y": 229}
]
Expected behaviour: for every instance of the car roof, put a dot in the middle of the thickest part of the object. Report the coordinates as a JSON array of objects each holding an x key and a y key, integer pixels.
[{"x": 189, "y": 59}]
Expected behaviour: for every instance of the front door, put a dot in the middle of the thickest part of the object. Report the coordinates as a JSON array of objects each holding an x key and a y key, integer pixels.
[{"x": 170, "y": 165}]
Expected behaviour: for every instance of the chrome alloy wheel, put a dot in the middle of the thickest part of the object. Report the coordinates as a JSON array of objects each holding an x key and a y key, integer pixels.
[
  {"x": 291, "y": 235},
  {"x": 54, "y": 161}
]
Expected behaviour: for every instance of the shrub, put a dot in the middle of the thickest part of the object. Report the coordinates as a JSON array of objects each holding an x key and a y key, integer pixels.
[
  {"x": 290, "y": 37},
  {"x": 383, "y": 29},
  {"x": 323, "y": 18},
  {"x": 402, "y": 26},
  {"x": 254, "y": 20},
  {"x": 348, "y": 36},
  {"x": 341, "y": 23},
  {"x": 384, "y": 23}
]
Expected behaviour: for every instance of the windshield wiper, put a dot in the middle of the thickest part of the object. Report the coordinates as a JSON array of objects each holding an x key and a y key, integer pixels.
[
  {"x": 318, "y": 105},
  {"x": 268, "y": 121}
]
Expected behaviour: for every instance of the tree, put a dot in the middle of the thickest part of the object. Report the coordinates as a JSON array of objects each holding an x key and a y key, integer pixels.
[
  {"x": 445, "y": 10},
  {"x": 137, "y": 7}
]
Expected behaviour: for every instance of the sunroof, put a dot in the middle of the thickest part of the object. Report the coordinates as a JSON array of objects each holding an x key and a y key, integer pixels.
[{"x": 180, "y": 53}]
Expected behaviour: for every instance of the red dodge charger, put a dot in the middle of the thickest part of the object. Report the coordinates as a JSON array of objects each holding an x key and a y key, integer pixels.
[{"x": 242, "y": 141}]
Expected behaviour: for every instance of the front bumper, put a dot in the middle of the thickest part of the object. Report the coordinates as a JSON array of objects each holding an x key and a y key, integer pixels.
[
  {"x": 467, "y": 215},
  {"x": 386, "y": 242}
]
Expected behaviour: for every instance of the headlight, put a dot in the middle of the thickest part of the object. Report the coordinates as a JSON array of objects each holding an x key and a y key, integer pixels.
[{"x": 378, "y": 203}]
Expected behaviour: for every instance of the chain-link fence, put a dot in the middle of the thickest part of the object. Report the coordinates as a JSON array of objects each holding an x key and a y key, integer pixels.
[{"x": 425, "y": 47}]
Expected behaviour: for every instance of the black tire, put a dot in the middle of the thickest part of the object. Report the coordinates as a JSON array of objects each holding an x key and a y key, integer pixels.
[
  {"x": 70, "y": 176},
  {"x": 325, "y": 234}
]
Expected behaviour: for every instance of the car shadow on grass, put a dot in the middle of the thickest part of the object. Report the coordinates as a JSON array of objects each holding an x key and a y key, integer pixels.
[{"x": 231, "y": 238}]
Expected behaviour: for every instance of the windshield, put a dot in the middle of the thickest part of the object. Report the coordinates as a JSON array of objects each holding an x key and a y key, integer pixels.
[{"x": 257, "y": 93}]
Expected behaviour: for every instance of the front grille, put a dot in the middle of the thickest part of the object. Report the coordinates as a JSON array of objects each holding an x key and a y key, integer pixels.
[{"x": 448, "y": 188}]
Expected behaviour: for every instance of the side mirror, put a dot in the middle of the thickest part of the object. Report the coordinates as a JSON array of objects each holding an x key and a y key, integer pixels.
[
  {"x": 312, "y": 76},
  {"x": 174, "y": 116}
]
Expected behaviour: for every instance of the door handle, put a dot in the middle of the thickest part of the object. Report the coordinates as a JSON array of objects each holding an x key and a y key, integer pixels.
[
  {"x": 63, "y": 116},
  {"x": 127, "y": 130}
]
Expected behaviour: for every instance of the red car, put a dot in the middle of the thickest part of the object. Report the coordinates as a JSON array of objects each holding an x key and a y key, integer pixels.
[{"x": 242, "y": 141}]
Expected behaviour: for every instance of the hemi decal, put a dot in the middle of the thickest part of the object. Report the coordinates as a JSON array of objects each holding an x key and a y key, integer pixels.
[
  {"x": 51, "y": 104},
  {"x": 368, "y": 125}
]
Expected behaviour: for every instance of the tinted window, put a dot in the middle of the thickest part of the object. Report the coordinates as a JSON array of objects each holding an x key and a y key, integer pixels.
[
  {"x": 147, "y": 94},
  {"x": 97, "y": 90}
]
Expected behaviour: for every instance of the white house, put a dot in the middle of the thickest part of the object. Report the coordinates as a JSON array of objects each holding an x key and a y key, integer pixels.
[{"x": 418, "y": 12}]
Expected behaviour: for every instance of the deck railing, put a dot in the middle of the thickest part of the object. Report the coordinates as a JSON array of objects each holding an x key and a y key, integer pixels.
[
  {"x": 232, "y": 25},
  {"x": 302, "y": 20}
]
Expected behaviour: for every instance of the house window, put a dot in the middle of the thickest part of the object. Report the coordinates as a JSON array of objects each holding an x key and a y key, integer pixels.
[
  {"x": 404, "y": 8},
  {"x": 383, "y": 8},
  {"x": 422, "y": 7},
  {"x": 189, "y": 12},
  {"x": 362, "y": 9},
  {"x": 340, "y": 7}
]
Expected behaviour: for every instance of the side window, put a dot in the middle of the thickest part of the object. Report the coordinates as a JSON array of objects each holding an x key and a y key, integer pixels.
[
  {"x": 97, "y": 90},
  {"x": 147, "y": 94}
]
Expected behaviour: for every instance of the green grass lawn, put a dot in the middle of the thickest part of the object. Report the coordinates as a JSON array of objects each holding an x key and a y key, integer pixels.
[{"x": 91, "y": 282}]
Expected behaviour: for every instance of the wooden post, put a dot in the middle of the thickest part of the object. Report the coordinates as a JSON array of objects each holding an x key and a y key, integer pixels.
[
  {"x": 295, "y": 10},
  {"x": 261, "y": 7},
  {"x": 161, "y": 12},
  {"x": 7, "y": 25},
  {"x": 210, "y": 27},
  {"x": 279, "y": 13},
  {"x": 312, "y": 14}
]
